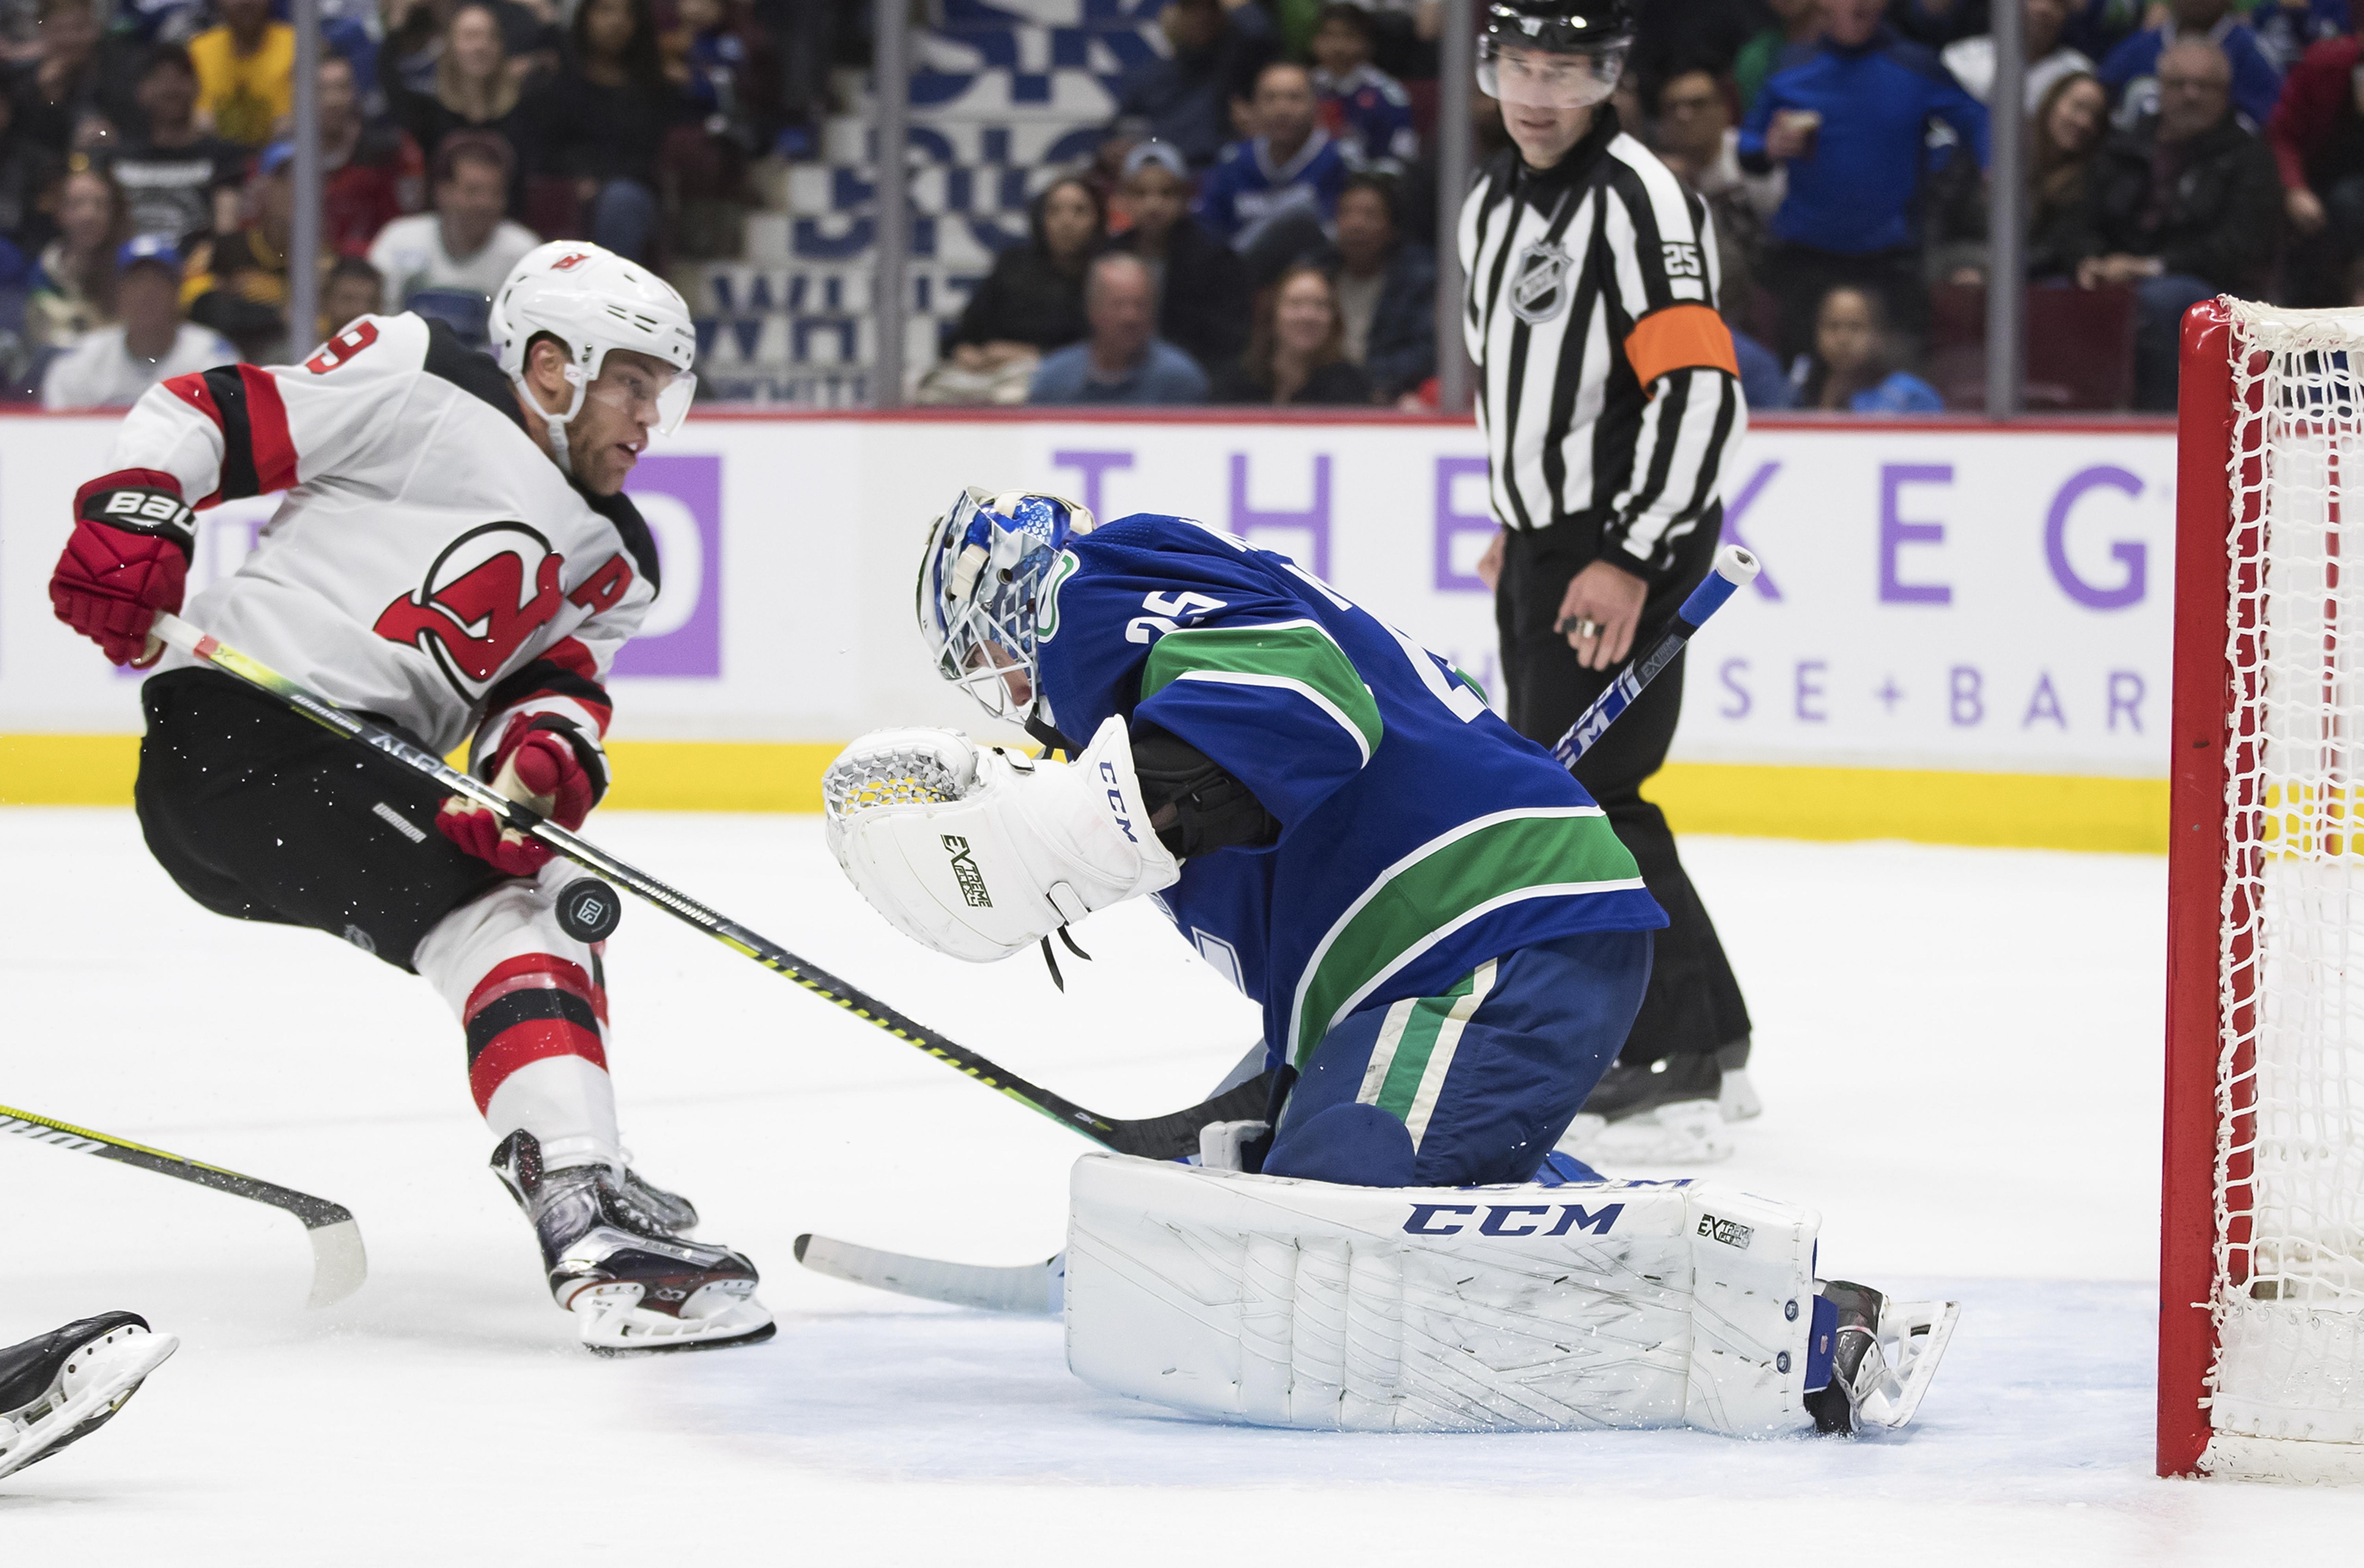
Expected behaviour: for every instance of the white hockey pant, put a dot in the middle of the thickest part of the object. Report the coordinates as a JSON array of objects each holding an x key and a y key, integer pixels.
[{"x": 535, "y": 1009}]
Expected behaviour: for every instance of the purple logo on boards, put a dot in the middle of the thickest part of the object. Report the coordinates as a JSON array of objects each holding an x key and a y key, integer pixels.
[{"x": 681, "y": 497}]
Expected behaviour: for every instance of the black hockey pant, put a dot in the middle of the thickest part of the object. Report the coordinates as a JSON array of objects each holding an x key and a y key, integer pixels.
[
  {"x": 262, "y": 815},
  {"x": 1693, "y": 1005}
]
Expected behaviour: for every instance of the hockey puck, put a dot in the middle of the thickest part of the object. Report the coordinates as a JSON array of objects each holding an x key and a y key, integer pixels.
[{"x": 588, "y": 909}]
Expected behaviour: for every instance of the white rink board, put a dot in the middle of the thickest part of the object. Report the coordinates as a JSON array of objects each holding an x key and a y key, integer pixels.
[{"x": 1934, "y": 597}]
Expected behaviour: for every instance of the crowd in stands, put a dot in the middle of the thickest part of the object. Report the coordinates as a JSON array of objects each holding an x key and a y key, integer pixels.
[
  {"x": 1273, "y": 169},
  {"x": 147, "y": 190}
]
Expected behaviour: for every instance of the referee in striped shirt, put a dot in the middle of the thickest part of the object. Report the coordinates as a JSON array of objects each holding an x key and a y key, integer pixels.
[{"x": 1610, "y": 400}]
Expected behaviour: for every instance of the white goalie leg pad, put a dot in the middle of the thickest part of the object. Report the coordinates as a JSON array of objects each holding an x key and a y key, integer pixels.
[
  {"x": 1302, "y": 1303},
  {"x": 981, "y": 853}
]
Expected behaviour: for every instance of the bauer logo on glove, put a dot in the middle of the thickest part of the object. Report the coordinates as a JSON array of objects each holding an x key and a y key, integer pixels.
[{"x": 925, "y": 822}]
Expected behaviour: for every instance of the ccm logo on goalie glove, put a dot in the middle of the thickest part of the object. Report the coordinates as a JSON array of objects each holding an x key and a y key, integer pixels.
[{"x": 142, "y": 511}]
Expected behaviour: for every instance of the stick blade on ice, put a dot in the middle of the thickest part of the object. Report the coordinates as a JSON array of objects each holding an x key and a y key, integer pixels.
[
  {"x": 340, "y": 1265},
  {"x": 1037, "y": 1288}
]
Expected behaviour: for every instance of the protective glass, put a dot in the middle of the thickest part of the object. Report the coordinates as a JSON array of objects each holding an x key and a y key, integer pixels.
[
  {"x": 659, "y": 399},
  {"x": 1514, "y": 73}
]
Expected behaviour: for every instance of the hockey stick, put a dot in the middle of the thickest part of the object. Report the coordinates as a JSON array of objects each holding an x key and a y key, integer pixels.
[
  {"x": 1165, "y": 1136},
  {"x": 1039, "y": 1287},
  {"x": 338, "y": 1264},
  {"x": 1734, "y": 567}
]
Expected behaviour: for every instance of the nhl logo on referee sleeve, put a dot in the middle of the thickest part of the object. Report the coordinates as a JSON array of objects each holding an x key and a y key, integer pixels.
[{"x": 1539, "y": 282}]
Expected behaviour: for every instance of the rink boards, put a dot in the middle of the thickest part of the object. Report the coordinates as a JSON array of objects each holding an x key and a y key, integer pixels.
[{"x": 1961, "y": 633}]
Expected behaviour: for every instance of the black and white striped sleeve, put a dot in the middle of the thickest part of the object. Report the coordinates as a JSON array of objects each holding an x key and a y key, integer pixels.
[{"x": 1666, "y": 275}]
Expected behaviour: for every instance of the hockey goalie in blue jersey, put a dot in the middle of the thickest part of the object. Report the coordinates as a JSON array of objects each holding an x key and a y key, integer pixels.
[{"x": 1448, "y": 941}]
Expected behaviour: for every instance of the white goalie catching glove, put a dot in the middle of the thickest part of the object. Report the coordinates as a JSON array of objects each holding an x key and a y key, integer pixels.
[{"x": 980, "y": 853}]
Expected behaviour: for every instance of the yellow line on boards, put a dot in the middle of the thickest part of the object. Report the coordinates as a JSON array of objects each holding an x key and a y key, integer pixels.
[{"x": 2015, "y": 810}]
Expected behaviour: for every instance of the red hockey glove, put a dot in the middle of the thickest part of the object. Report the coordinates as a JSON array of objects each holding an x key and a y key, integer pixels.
[
  {"x": 536, "y": 766},
  {"x": 128, "y": 558}
]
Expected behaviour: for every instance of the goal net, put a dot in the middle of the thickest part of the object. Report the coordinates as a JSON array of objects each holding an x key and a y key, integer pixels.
[{"x": 2262, "y": 1239}]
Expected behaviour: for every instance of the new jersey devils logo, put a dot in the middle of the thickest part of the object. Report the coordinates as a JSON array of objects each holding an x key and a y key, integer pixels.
[
  {"x": 567, "y": 264},
  {"x": 490, "y": 590}
]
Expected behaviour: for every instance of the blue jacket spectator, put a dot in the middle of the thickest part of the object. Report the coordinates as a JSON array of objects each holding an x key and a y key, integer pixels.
[
  {"x": 1862, "y": 111},
  {"x": 1361, "y": 104},
  {"x": 1184, "y": 99},
  {"x": 1285, "y": 182},
  {"x": 1122, "y": 361},
  {"x": 1850, "y": 367},
  {"x": 2131, "y": 71}
]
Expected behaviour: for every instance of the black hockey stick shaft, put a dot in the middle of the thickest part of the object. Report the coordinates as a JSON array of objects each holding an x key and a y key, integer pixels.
[
  {"x": 1165, "y": 1136},
  {"x": 337, "y": 1264}
]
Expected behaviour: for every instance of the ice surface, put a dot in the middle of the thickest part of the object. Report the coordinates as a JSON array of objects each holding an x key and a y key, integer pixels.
[{"x": 1958, "y": 1052}]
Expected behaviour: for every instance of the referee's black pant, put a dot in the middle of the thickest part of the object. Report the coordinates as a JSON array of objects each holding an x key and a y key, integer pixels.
[{"x": 1693, "y": 1005}]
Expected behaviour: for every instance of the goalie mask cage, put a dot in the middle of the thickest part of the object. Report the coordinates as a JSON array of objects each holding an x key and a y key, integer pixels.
[{"x": 2261, "y": 1253}]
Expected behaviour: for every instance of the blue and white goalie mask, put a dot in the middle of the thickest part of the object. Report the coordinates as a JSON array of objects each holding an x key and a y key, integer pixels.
[{"x": 991, "y": 566}]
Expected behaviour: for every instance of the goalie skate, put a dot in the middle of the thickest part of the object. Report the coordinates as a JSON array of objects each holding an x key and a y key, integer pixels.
[
  {"x": 69, "y": 1381},
  {"x": 1885, "y": 1355},
  {"x": 635, "y": 1282}
]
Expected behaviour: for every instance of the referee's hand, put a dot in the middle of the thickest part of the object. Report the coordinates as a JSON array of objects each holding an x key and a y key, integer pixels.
[{"x": 1599, "y": 613}]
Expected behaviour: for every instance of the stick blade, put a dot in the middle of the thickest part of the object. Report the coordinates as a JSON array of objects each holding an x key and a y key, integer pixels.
[
  {"x": 338, "y": 1263},
  {"x": 1038, "y": 1289}
]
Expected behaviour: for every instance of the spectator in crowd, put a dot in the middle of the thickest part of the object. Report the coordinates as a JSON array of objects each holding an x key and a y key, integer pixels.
[
  {"x": 2182, "y": 208},
  {"x": 1972, "y": 59},
  {"x": 1198, "y": 283},
  {"x": 463, "y": 250},
  {"x": 28, "y": 173},
  {"x": 474, "y": 89},
  {"x": 1183, "y": 97},
  {"x": 1364, "y": 109},
  {"x": 2131, "y": 71},
  {"x": 731, "y": 71},
  {"x": 1122, "y": 359},
  {"x": 1849, "y": 121},
  {"x": 1298, "y": 352},
  {"x": 58, "y": 98},
  {"x": 1671, "y": 36},
  {"x": 1384, "y": 288},
  {"x": 2286, "y": 29},
  {"x": 370, "y": 172},
  {"x": 2317, "y": 135},
  {"x": 246, "y": 72},
  {"x": 180, "y": 180},
  {"x": 113, "y": 365},
  {"x": 531, "y": 38},
  {"x": 1852, "y": 367},
  {"x": 2063, "y": 142},
  {"x": 353, "y": 289},
  {"x": 1938, "y": 23},
  {"x": 1797, "y": 24},
  {"x": 1698, "y": 140},
  {"x": 237, "y": 282},
  {"x": 1033, "y": 301},
  {"x": 73, "y": 288},
  {"x": 603, "y": 118},
  {"x": 1272, "y": 196}
]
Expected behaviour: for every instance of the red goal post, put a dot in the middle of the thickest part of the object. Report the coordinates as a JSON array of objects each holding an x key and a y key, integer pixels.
[{"x": 2261, "y": 1238}]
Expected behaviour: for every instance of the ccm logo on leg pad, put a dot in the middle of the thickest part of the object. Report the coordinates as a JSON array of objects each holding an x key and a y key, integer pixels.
[{"x": 1509, "y": 1219}]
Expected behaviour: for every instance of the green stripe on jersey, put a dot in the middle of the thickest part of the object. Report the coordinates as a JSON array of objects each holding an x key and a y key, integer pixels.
[
  {"x": 1457, "y": 877},
  {"x": 1297, "y": 655}
]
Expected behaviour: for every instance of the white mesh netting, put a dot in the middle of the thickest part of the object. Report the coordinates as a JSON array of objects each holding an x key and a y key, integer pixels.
[{"x": 2288, "y": 1296}]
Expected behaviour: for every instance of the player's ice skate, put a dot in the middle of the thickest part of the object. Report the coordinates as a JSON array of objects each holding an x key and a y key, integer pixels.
[
  {"x": 1883, "y": 1355},
  {"x": 618, "y": 1259},
  {"x": 66, "y": 1384}
]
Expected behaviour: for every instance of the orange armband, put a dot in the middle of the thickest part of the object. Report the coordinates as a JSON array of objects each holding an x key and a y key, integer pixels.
[{"x": 1681, "y": 337}]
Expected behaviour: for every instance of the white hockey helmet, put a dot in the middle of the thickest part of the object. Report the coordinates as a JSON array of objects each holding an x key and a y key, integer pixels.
[
  {"x": 593, "y": 301},
  {"x": 988, "y": 579}
]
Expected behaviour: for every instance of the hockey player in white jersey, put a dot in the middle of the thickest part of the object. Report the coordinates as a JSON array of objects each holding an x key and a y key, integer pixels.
[{"x": 454, "y": 556}]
